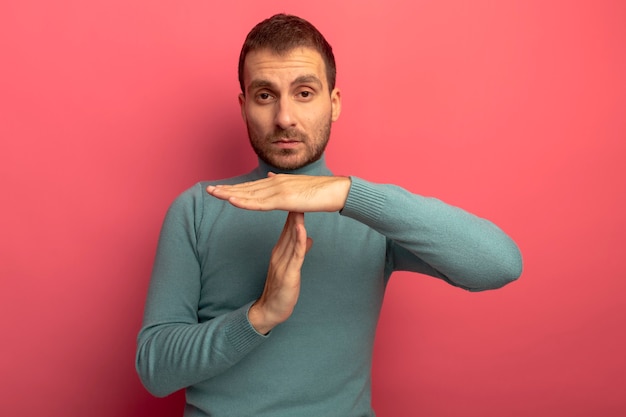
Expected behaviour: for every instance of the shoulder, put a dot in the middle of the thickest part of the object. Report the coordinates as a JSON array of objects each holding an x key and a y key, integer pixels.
[{"x": 195, "y": 202}]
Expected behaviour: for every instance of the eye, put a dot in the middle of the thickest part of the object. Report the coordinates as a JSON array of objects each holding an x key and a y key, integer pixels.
[
  {"x": 264, "y": 97},
  {"x": 305, "y": 94}
]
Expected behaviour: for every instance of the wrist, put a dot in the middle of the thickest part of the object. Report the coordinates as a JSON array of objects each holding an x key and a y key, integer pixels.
[
  {"x": 342, "y": 190},
  {"x": 258, "y": 319}
]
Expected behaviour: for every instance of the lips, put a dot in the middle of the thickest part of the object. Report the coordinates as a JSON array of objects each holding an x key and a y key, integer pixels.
[{"x": 286, "y": 143}]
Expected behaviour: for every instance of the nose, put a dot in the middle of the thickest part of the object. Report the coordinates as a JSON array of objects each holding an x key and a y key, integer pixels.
[{"x": 285, "y": 117}]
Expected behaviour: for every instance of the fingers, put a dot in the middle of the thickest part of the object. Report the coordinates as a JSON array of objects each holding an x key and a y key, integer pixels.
[
  {"x": 293, "y": 243},
  {"x": 287, "y": 239},
  {"x": 302, "y": 242},
  {"x": 255, "y": 195},
  {"x": 282, "y": 285}
]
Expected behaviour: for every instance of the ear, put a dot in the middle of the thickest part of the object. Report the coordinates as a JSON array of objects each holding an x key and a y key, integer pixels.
[
  {"x": 242, "y": 106},
  {"x": 335, "y": 104}
]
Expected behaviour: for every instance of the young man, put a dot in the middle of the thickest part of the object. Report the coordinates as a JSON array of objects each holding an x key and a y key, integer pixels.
[{"x": 249, "y": 315}]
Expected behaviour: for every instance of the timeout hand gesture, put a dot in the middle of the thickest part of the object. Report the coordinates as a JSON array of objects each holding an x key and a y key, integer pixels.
[{"x": 295, "y": 193}]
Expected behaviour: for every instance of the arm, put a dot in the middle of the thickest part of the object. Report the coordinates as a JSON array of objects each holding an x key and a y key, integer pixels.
[
  {"x": 174, "y": 350},
  {"x": 429, "y": 236},
  {"x": 426, "y": 235}
]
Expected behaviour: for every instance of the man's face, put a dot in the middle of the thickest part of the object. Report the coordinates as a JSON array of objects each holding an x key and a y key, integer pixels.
[{"x": 287, "y": 106}]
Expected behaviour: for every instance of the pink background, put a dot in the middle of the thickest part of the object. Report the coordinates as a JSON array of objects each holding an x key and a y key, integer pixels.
[{"x": 515, "y": 110}]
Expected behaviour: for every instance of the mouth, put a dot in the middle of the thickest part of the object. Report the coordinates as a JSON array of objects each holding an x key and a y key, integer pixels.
[
  {"x": 286, "y": 140},
  {"x": 286, "y": 143}
]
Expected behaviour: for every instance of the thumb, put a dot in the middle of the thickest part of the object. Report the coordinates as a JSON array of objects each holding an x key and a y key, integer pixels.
[{"x": 309, "y": 243}]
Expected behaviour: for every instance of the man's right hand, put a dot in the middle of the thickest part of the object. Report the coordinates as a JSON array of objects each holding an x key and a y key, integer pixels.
[{"x": 282, "y": 285}]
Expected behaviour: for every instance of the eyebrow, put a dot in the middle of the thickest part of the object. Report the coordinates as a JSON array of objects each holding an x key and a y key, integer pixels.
[
  {"x": 303, "y": 79},
  {"x": 308, "y": 79}
]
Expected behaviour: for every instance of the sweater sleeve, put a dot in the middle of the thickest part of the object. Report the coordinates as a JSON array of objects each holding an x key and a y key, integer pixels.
[
  {"x": 174, "y": 349},
  {"x": 428, "y": 236}
]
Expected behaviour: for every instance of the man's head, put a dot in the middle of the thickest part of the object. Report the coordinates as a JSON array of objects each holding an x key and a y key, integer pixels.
[
  {"x": 282, "y": 33},
  {"x": 288, "y": 98}
]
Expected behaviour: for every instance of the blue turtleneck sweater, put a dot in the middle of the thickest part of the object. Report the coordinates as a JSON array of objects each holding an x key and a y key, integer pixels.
[{"x": 211, "y": 265}]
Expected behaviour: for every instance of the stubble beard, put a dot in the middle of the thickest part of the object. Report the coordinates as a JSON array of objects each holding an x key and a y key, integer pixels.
[{"x": 314, "y": 149}]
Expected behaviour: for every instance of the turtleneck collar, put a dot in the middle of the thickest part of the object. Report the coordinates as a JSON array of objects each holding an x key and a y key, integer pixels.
[{"x": 315, "y": 168}]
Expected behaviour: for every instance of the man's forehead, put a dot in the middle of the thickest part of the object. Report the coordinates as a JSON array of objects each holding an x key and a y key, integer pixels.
[
  {"x": 265, "y": 64},
  {"x": 292, "y": 52}
]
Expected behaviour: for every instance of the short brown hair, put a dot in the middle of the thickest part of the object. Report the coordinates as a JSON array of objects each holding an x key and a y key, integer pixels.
[{"x": 282, "y": 33}]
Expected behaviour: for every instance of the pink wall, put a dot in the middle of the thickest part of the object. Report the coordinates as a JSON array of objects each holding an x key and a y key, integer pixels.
[{"x": 514, "y": 110}]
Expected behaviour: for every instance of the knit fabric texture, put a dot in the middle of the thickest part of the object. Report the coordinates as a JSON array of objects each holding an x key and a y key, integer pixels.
[{"x": 211, "y": 265}]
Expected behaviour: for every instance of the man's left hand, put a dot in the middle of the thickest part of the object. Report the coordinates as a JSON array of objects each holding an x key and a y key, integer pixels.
[{"x": 295, "y": 193}]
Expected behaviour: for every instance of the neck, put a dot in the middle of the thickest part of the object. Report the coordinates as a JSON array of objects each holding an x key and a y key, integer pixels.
[{"x": 314, "y": 168}]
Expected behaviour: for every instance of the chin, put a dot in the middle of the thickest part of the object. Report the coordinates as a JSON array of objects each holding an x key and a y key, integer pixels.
[
  {"x": 287, "y": 162},
  {"x": 288, "y": 166}
]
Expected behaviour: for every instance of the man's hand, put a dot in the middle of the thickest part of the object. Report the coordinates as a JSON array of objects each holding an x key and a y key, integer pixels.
[
  {"x": 282, "y": 285},
  {"x": 298, "y": 193}
]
